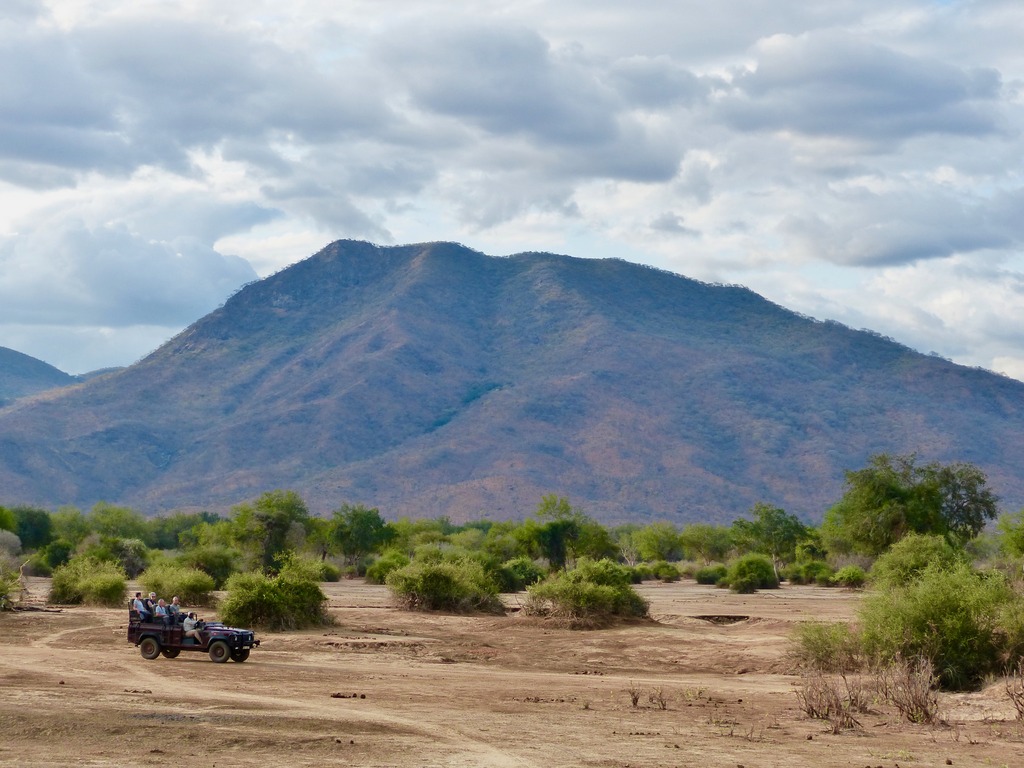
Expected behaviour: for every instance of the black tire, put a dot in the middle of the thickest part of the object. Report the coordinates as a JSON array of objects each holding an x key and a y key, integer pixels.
[
  {"x": 170, "y": 653},
  {"x": 240, "y": 655},
  {"x": 219, "y": 651},
  {"x": 149, "y": 648}
]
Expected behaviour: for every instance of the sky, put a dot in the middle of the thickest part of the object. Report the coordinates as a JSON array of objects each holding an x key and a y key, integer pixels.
[{"x": 853, "y": 160}]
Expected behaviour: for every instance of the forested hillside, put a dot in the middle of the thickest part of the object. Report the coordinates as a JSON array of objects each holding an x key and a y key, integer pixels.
[{"x": 434, "y": 380}]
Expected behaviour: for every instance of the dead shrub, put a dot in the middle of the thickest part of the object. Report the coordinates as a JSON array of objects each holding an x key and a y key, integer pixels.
[
  {"x": 833, "y": 698},
  {"x": 909, "y": 685},
  {"x": 1015, "y": 688},
  {"x": 658, "y": 699},
  {"x": 634, "y": 692}
]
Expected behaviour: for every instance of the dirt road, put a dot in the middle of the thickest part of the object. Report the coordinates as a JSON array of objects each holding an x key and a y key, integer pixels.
[{"x": 390, "y": 688}]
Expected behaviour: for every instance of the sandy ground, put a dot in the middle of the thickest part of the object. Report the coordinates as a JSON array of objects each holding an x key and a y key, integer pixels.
[{"x": 390, "y": 688}]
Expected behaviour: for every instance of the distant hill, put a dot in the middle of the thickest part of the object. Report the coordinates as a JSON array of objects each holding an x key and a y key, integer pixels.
[
  {"x": 21, "y": 375},
  {"x": 433, "y": 379}
]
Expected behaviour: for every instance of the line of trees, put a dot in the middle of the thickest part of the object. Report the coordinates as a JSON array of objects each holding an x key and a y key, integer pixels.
[{"x": 892, "y": 497}]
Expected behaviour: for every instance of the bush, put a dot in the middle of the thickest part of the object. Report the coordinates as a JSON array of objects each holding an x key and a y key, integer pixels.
[
  {"x": 751, "y": 573},
  {"x": 290, "y": 600},
  {"x": 10, "y": 544},
  {"x": 217, "y": 561},
  {"x": 190, "y": 584},
  {"x": 389, "y": 561},
  {"x": 711, "y": 574},
  {"x": 909, "y": 556},
  {"x": 640, "y": 573},
  {"x": 665, "y": 571},
  {"x": 811, "y": 572},
  {"x": 54, "y": 554},
  {"x": 89, "y": 581},
  {"x": 518, "y": 574},
  {"x": 850, "y": 576},
  {"x": 591, "y": 594},
  {"x": 438, "y": 585},
  {"x": 960, "y": 620},
  {"x": 9, "y": 586},
  {"x": 329, "y": 571},
  {"x": 826, "y": 647}
]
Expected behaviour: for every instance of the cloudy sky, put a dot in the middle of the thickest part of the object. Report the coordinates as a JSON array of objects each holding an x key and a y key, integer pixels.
[{"x": 856, "y": 160}]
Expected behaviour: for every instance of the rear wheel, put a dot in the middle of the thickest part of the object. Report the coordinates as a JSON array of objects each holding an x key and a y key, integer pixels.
[
  {"x": 240, "y": 655},
  {"x": 149, "y": 648},
  {"x": 170, "y": 653},
  {"x": 219, "y": 651}
]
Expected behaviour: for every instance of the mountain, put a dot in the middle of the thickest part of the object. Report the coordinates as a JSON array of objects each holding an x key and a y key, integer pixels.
[
  {"x": 21, "y": 375},
  {"x": 432, "y": 379}
]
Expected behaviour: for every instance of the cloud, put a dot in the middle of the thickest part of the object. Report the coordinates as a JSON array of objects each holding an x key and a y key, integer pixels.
[
  {"x": 766, "y": 142},
  {"x": 905, "y": 226},
  {"x": 107, "y": 276},
  {"x": 840, "y": 85}
]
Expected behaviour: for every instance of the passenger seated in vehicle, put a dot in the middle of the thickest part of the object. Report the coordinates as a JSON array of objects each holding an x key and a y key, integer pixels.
[
  {"x": 175, "y": 607},
  {"x": 190, "y": 627},
  {"x": 161, "y": 613},
  {"x": 139, "y": 606}
]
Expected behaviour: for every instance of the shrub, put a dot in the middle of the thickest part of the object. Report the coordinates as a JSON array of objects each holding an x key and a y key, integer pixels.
[
  {"x": 640, "y": 573},
  {"x": 329, "y": 571},
  {"x": 850, "y": 576},
  {"x": 752, "y": 572},
  {"x": 834, "y": 698},
  {"x": 909, "y": 556},
  {"x": 591, "y": 594},
  {"x": 9, "y": 586},
  {"x": 389, "y": 561},
  {"x": 687, "y": 569},
  {"x": 960, "y": 620},
  {"x": 711, "y": 574},
  {"x": 811, "y": 572},
  {"x": 826, "y": 647},
  {"x": 289, "y": 600},
  {"x": 910, "y": 687},
  {"x": 438, "y": 585},
  {"x": 518, "y": 574},
  {"x": 190, "y": 584},
  {"x": 665, "y": 571},
  {"x": 217, "y": 561},
  {"x": 10, "y": 544},
  {"x": 89, "y": 581}
]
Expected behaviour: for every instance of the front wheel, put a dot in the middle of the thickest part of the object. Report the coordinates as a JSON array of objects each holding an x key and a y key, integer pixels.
[
  {"x": 149, "y": 648},
  {"x": 219, "y": 651},
  {"x": 240, "y": 655},
  {"x": 170, "y": 653}
]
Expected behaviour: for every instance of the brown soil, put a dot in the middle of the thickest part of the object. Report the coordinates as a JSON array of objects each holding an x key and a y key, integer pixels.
[{"x": 390, "y": 688}]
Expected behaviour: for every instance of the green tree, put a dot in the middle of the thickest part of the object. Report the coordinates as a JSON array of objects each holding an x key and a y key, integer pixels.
[
  {"x": 569, "y": 533},
  {"x": 271, "y": 525},
  {"x": 165, "y": 531},
  {"x": 625, "y": 540},
  {"x": 7, "y": 521},
  {"x": 772, "y": 532},
  {"x": 706, "y": 542},
  {"x": 894, "y": 496},
  {"x": 33, "y": 526},
  {"x": 118, "y": 522},
  {"x": 1011, "y": 528},
  {"x": 70, "y": 525},
  {"x": 358, "y": 531},
  {"x": 658, "y": 541}
]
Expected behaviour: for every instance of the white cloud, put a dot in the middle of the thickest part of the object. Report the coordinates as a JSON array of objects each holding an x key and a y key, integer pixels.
[{"x": 854, "y": 160}]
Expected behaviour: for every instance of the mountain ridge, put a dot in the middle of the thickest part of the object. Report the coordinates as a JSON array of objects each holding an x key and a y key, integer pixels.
[{"x": 433, "y": 379}]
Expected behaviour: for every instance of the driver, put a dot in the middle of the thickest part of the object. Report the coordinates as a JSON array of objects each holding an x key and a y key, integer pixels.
[{"x": 190, "y": 627}]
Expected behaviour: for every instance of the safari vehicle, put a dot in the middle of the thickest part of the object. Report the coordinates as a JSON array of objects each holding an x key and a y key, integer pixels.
[{"x": 156, "y": 637}]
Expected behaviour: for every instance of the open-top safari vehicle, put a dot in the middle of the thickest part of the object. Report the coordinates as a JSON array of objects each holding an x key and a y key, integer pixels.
[{"x": 159, "y": 636}]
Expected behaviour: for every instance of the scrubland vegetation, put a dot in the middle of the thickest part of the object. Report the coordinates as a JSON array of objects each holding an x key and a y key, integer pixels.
[{"x": 944, "y": 600}]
